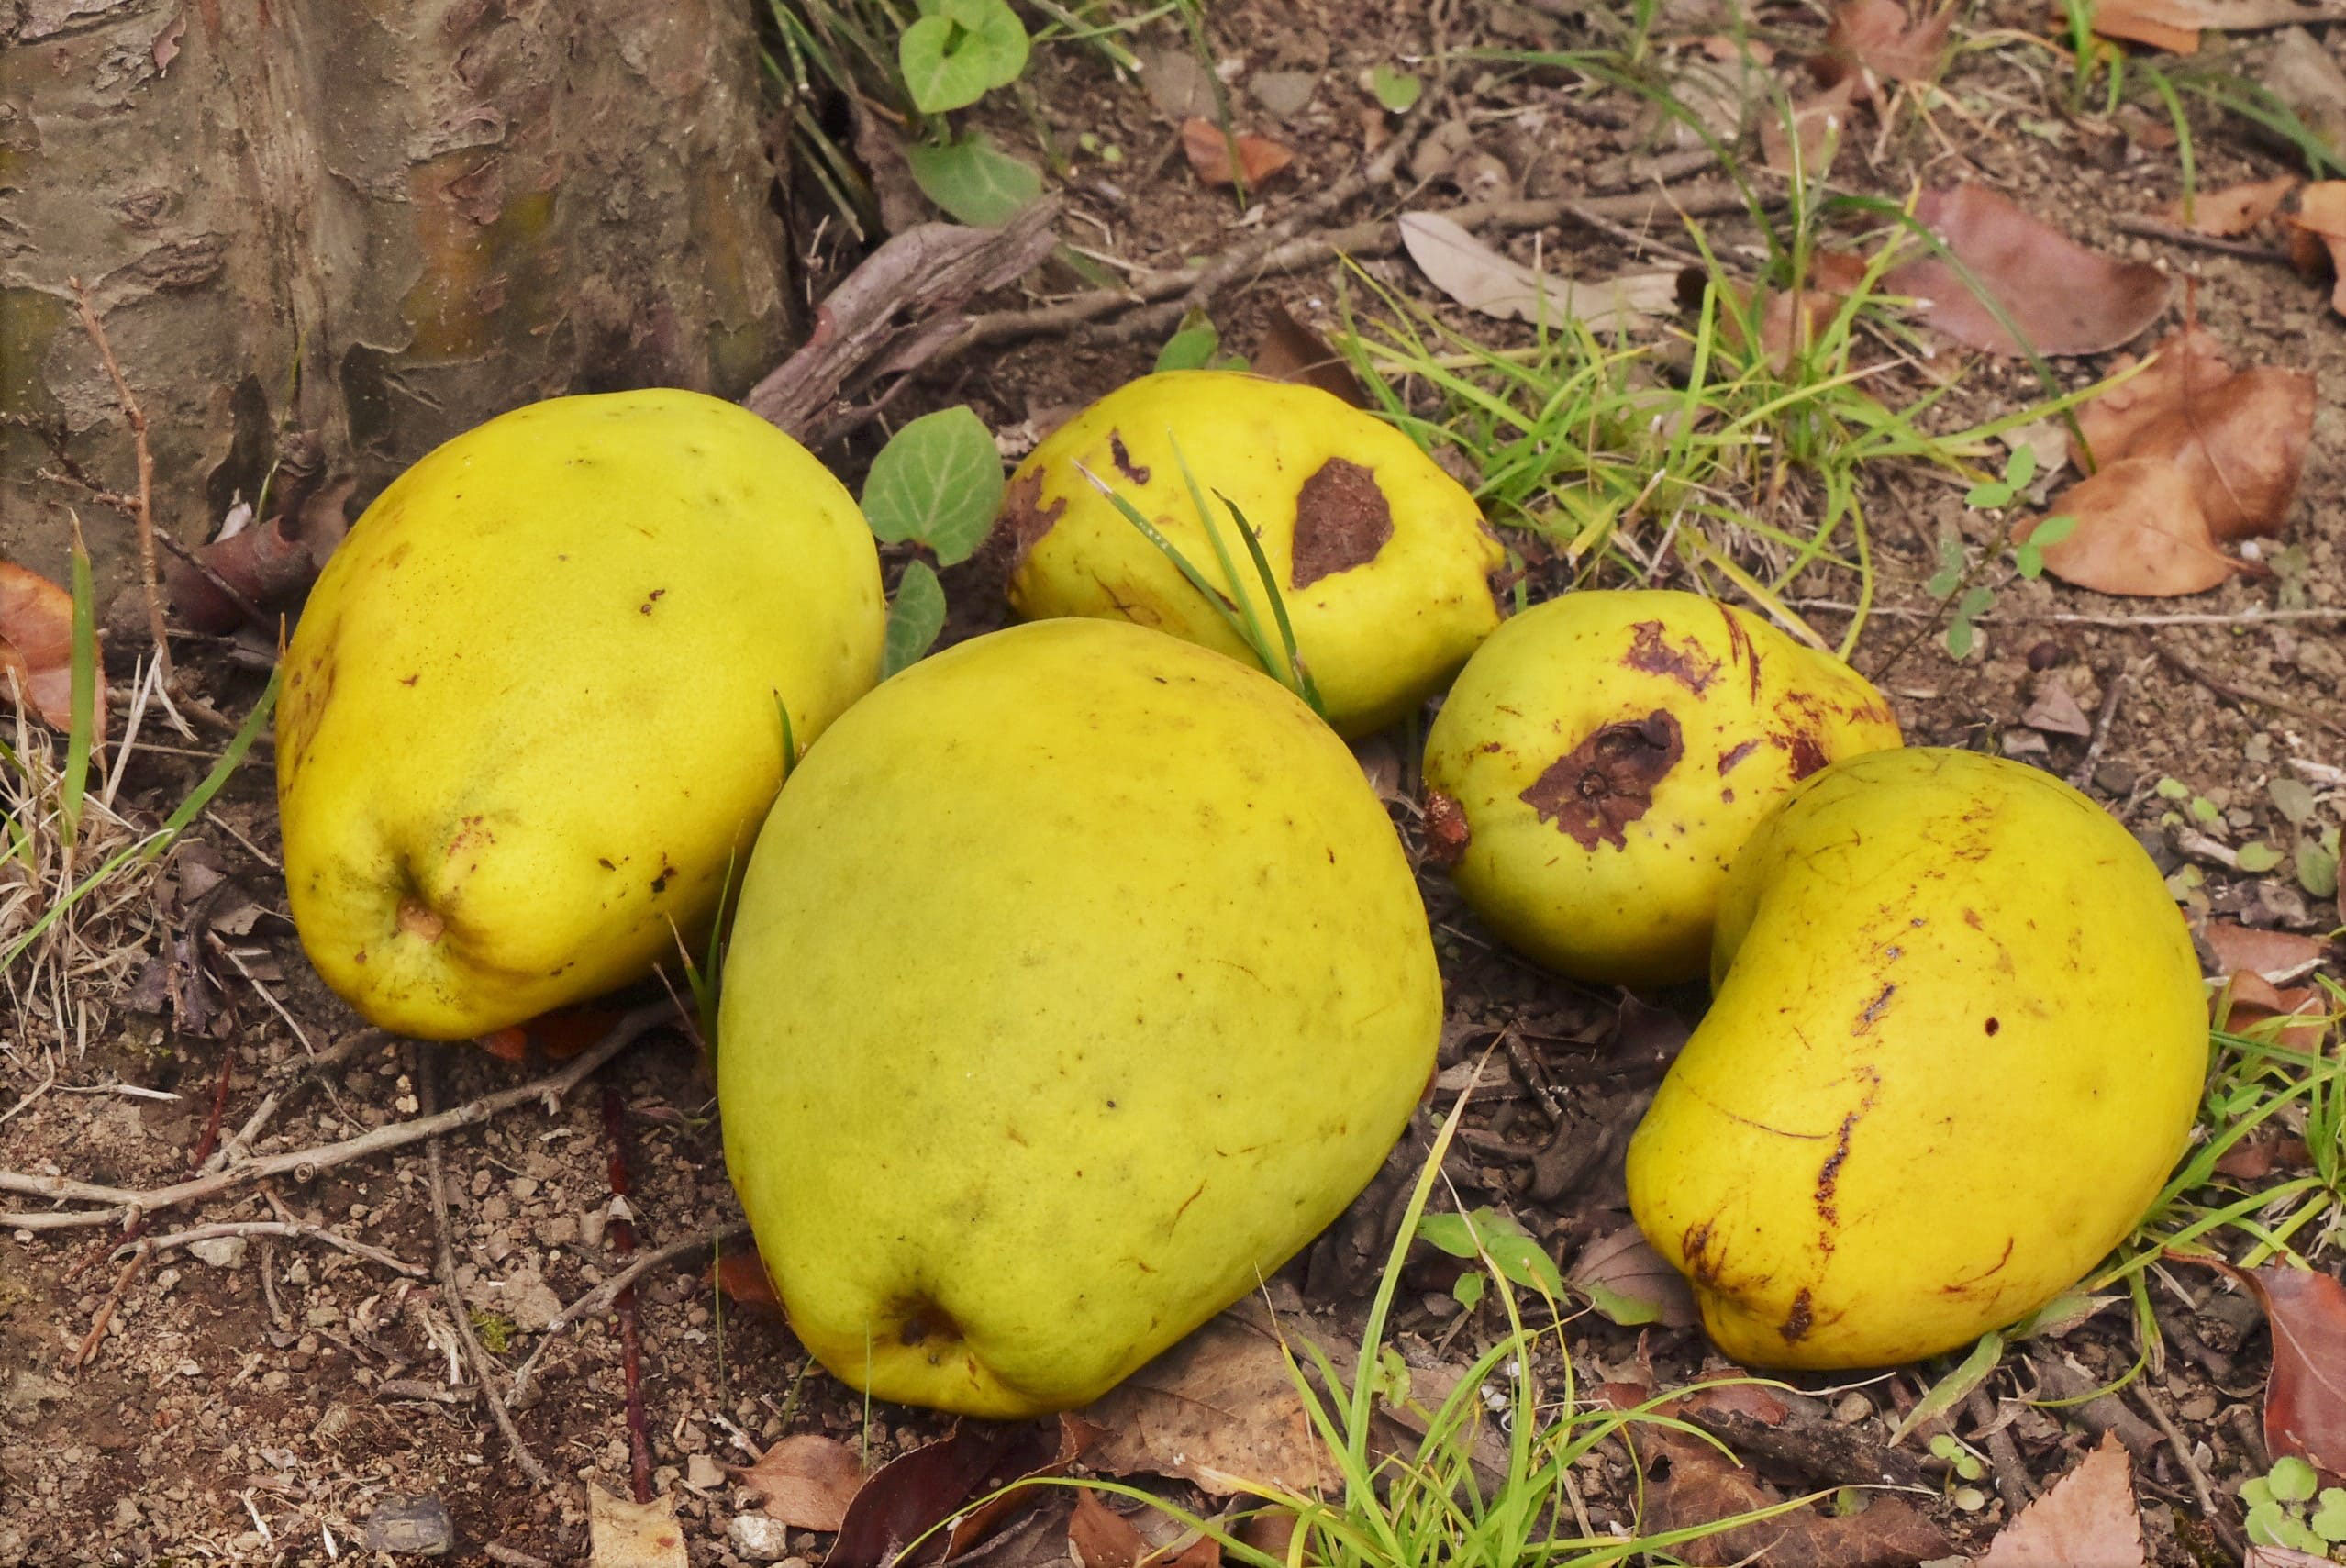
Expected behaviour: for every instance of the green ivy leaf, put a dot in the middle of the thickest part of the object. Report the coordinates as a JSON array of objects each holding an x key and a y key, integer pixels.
[
  {"x": 939, "y": 483},
  {"x": 2259, "y": 857},
  {"x": 1520, "y": 1259},
  {"x": 2051, "y": 531},
  {"x": 974, "y": 181},
  {"x": 959, "y": 51},
  {"x": 2328, "y": 1519},
  {"x": 2020, "y": 467},
  {"x": 2291, "y": 1480},
  {"x": 1468, "y": 1290},
  {"x": 2317, "y": 870},
  {"x": 1960, "y": 637},
  {"x": 2029, "y": 560},
  {"x": 915, "y": 617},
  {"x": 1975, "y": 603},
  {"x": 1987, "y": 496},
  {"x": 1628, "y": 1311},
  {"x": 1190, "y": 349},
  {"x": 1396, "y": 90}
]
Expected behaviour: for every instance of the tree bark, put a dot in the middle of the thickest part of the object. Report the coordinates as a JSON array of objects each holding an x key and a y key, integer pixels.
[{"x": 379, "y": 222}]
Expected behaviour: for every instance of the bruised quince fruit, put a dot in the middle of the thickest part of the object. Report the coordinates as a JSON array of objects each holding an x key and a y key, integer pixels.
[
  {"x": 1603, "y": 757},
  {"x": 1380, "y": 557},
  {"x": 1957, "y": 1043},
  {"x": 534, "y": 708},
  {"x": 1079, "y": 980}
]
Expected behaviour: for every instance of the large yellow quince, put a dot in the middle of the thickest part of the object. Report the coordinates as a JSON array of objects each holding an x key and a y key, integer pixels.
[
  {"x": 1079, "y": 980},
  {"x": 1602, "y": 758},
  {"x": 1958, "y": 1041},
  {"x": 534, "y": 706},
  {"x": 1381, "y": 558}
]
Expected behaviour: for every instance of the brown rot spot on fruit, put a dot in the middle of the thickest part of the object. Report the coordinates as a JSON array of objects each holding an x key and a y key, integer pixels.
[
  {"x": 1123, "y": 459},
  {"x": 1594, "y": 791},
  {"x": 660, "y": 882},
  {"x": 1447, "y": 834},
  {"x": 1806, "y": 752},
  {"x": 1797, "y": 1322},
  {"x": 1342, "y": 519},
  {"x": 1683, "y": 663},
  {"x": 650, "y": 599},
  {"x": 1829, "y": 1177},
  {"x": 925, "y": 1323},
  {"x": 1874, "y": 1011},
  {"x": 1734, "y": 754},
  {"x": 1024, "y": 517},
  {"x": 418, "y": 919},
  {"x": 1994, "y": 1025},
  {"x": 1694, "y": 1245},
  {"x": 1740, "y": 648}
]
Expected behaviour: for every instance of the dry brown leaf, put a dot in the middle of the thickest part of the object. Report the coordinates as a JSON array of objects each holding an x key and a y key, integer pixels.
[
  {"x": 2187, "y": 363},
  {"x": 1873, "y": 41},
  {"x": 2235, "y": 210},
  {"x": 1483, "y": 280},
  {"x": 2140, "y": 531},
  {"x": 2250, "y": 998},
  {"x": 2064, "y": 298},
  {"x": 1220, "y": 1409},
  {"x": 2276, "y": 956},
  {"x": 2320, "y": 218},
  {"x": 2284, "y": 1557},
  {"x": 808, "y": 1481},
  {"x": 2175, "y": 25},
  {"x": 1210, "y": 153},
  {"x": 1102, "y": 1538},
  {"x": 1289, "y": 351},
  {"x": 1817, "y": 127},
  {"x": 37, "y": 647},
  {"x": 1623, "y": 1271},
  {"x": 2087, "y": 1520},
  {"x": 632, "y": 1535},
  {"x": 1694, "y": 1485},
  {"x": 2240, "y": 446}
]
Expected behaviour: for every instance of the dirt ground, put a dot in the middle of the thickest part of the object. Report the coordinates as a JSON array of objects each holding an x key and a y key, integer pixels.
[{"x": 259, "y": 1400}]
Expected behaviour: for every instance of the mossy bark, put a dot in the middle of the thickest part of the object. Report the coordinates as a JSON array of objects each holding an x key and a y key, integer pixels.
[{"x": 377, "y": 220}]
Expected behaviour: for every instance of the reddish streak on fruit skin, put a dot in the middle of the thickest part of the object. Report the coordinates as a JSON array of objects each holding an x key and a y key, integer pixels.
[
  {"x": 1684, "y": 662},
  {"x": 1740, "y": 649},
  {"x": 1122, "y": 457}
]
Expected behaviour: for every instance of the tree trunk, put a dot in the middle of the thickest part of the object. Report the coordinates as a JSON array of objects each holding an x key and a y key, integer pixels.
[{"x": 376, "y": 221}]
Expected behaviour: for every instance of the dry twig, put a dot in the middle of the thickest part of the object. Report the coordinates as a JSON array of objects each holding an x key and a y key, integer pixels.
[
  {"x": 390, "y": 1261},
  {"x": 150, "y": 578},
  {"x": 622, "y": 1235},
  {"x": 596, "y": 1302}
]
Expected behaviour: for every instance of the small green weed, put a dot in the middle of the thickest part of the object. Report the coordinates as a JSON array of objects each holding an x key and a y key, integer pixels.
[
  {"x": 495, "y": 1331},
  {"x": 2288, "y": 1507}
]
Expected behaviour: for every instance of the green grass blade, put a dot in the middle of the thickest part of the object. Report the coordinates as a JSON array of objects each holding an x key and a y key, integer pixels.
[
  {"x": 1172, "y": 551},
  {"x": 82, "y": 733}
]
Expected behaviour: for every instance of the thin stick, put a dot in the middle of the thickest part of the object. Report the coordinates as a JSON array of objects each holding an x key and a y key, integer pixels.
[
  {"x": 2102, "y": 722},
  {"x": 623, "y": 1244},
  {"x": 596, "y": 1302},
  {"x": 390, "y": 1261},
  {"x": 2011, "y": 1475},
  {"x": 2241, "y": 695},
  {"x": 149, "y": 578},
  {"x": 2065, "y": 618},
  {"x": 2199, "y": 1487},
  {"x": 304, "y": 1163},
  {"x": 483, "y": 1371},
  {"x": 2152, "y": 228}
]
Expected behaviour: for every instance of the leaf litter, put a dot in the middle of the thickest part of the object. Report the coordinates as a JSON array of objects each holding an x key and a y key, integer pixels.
[
  {"x": 36, "y": 645},
  {"x": 2088, "y": 1520},
  {"x": 1489, "y": 283},
  {"x": 2063, "y": 298},
  {"x": 1873, "y": 41}
]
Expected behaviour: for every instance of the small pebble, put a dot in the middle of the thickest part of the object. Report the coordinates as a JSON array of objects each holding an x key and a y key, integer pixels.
[
  {"x": 416, "y": 1525},
  {"x": 1852, "y": 1408},
  {"x": 758, "y": 1538}
]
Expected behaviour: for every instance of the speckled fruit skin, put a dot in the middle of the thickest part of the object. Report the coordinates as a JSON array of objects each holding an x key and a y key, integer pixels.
[
  {"x": 1958, "y": 1041},
  {"x": 1382, "y": 558},
  {"x": 532, "y": 711},
  {"x": 1606, "y": 755},
  {"x": 1079, "y": 980}
]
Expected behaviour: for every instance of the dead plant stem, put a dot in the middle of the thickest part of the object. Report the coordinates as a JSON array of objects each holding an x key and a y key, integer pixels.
[{"x": 144, "y": 514}]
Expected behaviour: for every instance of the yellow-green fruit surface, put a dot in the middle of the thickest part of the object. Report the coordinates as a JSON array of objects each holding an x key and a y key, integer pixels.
[
  {"x": 533, "y": 706},
  {"x": 1957, "y": 1043},
  {"x": 1380, "y": 557},
  {"x": 1607, "y": 754},
  {"x": 1079, "y": 980}
]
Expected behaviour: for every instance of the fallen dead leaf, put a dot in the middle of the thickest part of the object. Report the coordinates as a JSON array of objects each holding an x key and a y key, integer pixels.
[
  {"x": 2138, "y": 531},
  {"x": 2087, "y": 1520},
  {"x": 1815, "y": 129},
  {"x": 633, "y": 1535},
  {"x": 1180, "y": 88},
  {"x": 1220, "y": 1409},
  {"x": 1631, "y": 1283},
  {"x": 2241, "y": 447},
  {"x": 2187, "y": 363},
  {"x": 2175, "y": 25},
  {"x": 808, "y": 1481},
  {"x": 2284, "y": 1557},
  {"x": 2276, "y": 956},
  {"x": 1487, "y": 281},
  {"x": 2235, "y": 210},
  {"x": 2320, "y": 218},
  {"x": 1209, "y": 151},
  {"x": 37, "y": 647},
  {"x": 1289, "y": 351},
  {"x": 2250, "y": 999},
  {"x": 1102, "y": 1538},
  {"x": 2064, "y": 298},
  {"x": 2263, "y": 1152},
  {"x": 1873, "y": 41},
  {"x": 742, "y": 1275},
  {"x": 1693, "y": 1485},
  {"x": 2055, "y": 710},
  {"x": 914, "y": 1493},
  {"x": 2304, "y": 1398}
]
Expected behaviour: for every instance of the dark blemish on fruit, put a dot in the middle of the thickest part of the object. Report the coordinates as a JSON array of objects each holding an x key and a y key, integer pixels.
[
  {"x": 1342, "y": 519},
  {"x": 1123, "y": 459},
  {"x": 1735, "y": 754},
  {"x": 1829, "y": 1177},
  {"x": 1727, "y": 797},
  {"x": 411, "y": 680},
  {"x": 1447, "y": 834},
  {"x": 1594, "y": 792},
  {"x": 1797, "y": 1322},
  {"x": 1994, "y": 1025},
  {"x": 1806, "y": 755},
  {"x": 605, "y": 861},
  {"x": 645, "y": 608},
  {"x": 1741, "y": 648},
  {"x": 1024, "y": 517},
  {"x": 1873, "y": 1010},
  {"x": 1695, "y": 1246},
  {"x": 660, "y": 882},
  {"x": 1683, "y": 663}
]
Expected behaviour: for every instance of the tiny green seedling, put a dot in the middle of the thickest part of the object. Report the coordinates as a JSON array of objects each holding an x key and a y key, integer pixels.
[
  {"x": 2288, "y": 1507},
  {"x": 937, "y": 484},
  {"x": 1395, "y": 89},
  {"x": 1958, "y": 572},
  {"x": 1197, "y": 345}
]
